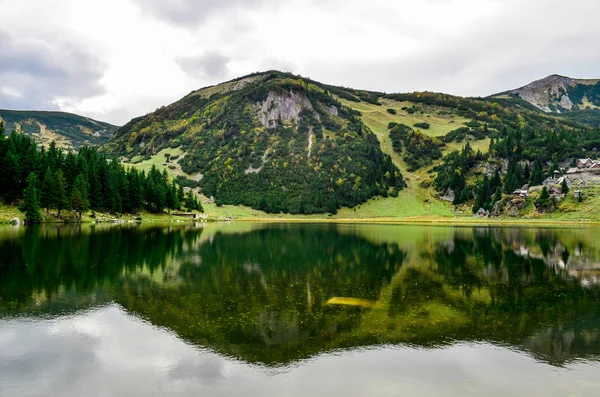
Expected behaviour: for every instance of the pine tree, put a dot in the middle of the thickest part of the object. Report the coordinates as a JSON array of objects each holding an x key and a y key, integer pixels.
[
  {"x": 136, "y": 191},
  {"x": 497, "y": 195},
  {"x": 564, "y": 186},
  {"x": 31, "y": 202},
  {"x": 12, "y": 181},
  {"x": 95, "y": 183},
  {"x": 60, "y": 184},
  {"x": 171, "y": 196},
  {"x": 537, "y": 177},
  {"x": 192, "y": 203},
  {"x": 519, "y": 176},
  {"x": 79, "y": 196},
  {"x": 181, "y": 194},
  {"x": 554, "y": 166},
  {"x": 496, "y": 180},
  {"x": 527, "y": 173},
  {"x": 544, "y": 198},
  {"x": 510, "y": 182},
  {"x": 175, "y": 194},
  {"x": 48, "y": 197}
]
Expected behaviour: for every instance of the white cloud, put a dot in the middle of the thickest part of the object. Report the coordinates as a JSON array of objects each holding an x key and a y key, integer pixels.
[
  {"x": 120, "y": 59},
  {"x": 108, "y": 351},
  {"x": 11, "y": 92}
]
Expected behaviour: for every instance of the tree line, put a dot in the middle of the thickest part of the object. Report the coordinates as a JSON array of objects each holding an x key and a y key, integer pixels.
[
  {"x": 530, "y": 156},
  {"x": 50, "y": 179}
]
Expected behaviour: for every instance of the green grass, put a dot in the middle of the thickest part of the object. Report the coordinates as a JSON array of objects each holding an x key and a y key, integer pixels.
[
  {"x": 440, "y": 124},
  {"x": 413, "y": 201},
  {"x": 477, "y": 144},
  {"x": 571, "y": 209},
  {"x": 159, "y": 160},
  {"x": 9, "y": 212}
]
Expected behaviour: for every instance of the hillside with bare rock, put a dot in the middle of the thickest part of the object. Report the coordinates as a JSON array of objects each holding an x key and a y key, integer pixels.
[
  {"x": 577, "y": 99},
  {"x": 271, "y": 141}
]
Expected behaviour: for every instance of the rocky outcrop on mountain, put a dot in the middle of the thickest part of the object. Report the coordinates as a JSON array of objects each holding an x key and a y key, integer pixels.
[
  {"x": 282, "y": 106},
  {"x": 555, "y": 93}
]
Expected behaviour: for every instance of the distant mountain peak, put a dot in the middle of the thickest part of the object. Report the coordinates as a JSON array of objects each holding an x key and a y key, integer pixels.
[
  {"x": 559, "y": 94},
  {"x": 67, "y": 130}
]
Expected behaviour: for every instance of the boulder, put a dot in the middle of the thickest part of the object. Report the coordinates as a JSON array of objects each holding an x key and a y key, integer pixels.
[
  {"x": 496, "y": 210},
  {"x": 482, "y": 213},
  {"x": 518, "y": 204}
]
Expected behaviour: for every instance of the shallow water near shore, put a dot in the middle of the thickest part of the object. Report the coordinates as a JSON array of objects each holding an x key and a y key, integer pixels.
[{"x": 299, "y": 309}]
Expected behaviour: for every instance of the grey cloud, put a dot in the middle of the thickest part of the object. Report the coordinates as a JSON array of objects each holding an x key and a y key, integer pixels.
[
  {"x": 42, "y": 359},
  {"x": 129, "y": 109},
  {"x": 189, "y": 12},
  {"x": 205, "y": 368},
  {"x": 40, "y": 71},
  {"x": 211, "y": 64},
  {"x": 502, "y": 52}
]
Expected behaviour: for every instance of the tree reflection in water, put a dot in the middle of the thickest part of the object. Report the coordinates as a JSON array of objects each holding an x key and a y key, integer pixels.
[{"x": 264, "y": 294}]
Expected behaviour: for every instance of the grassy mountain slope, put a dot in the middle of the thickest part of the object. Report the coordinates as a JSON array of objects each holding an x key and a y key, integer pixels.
[
  {"x": 575, "y": 99},
  {"x": 67, "y": 129},
  {"x": 271, "y": 141},
  {"x": 277, "y": 142}
]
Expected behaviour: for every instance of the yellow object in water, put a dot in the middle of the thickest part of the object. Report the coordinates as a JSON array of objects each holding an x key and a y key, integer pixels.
[{"x": 339, "y": 300}]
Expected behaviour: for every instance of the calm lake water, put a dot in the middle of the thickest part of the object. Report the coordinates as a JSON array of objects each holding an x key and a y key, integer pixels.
[{"x": 299, "y": 310}]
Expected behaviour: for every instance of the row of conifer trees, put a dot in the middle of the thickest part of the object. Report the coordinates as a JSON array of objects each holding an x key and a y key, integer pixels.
[{"x": 50, "y": 179}]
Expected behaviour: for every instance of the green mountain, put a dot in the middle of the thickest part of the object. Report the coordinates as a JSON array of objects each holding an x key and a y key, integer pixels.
[
  {"x": 283, "y": 143},
  {"x": 575, "y": 99},
  {"x": 271, "y": 141},
  {"x": 66, "y": 129}
]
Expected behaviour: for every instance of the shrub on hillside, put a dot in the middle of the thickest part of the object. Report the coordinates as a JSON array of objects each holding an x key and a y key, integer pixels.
[{"x": 420, "y": 149}]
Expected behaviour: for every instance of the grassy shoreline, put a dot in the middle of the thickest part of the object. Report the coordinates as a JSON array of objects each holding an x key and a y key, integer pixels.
[
  {"x": 426, "y": 220},
  {"x": 8, "y": 213},
  {"x": 457, "y": 221},
  {"x": 370, "y": 212}
]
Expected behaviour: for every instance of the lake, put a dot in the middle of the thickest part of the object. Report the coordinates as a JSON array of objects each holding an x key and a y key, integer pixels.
[{"x": 244, "y": 309}]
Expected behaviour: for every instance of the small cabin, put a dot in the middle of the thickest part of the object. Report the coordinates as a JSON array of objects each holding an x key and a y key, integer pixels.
[
  {"x": 190, "y": 215},
  {"x": 585, "y": 163},
  {"x": 555, "y": 190},
  {"x": 520, "y": 194}
]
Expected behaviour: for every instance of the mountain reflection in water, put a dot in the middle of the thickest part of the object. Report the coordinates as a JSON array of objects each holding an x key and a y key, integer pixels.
[{"x": 228, "y": 295}]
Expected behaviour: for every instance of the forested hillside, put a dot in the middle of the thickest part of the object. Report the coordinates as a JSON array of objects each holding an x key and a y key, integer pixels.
[
  {"x": 287, "y": 144},
  {"x": 67, "y": 130},
  {"x": 52, "y": 180},
  {"x": 271, "y": 141}
]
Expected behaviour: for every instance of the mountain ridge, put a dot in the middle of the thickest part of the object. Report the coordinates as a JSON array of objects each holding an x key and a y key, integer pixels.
[
  {"x": 68, "y": 130},
  {"x": 576, "y": 99},
  {"x": 271, "y": 140},
  {"x": 282, "y": 143},
  {"x": 278, "y": 142}
]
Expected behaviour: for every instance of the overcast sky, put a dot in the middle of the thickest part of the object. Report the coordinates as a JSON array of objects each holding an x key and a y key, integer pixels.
[{"x": 118, "y": 59}]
